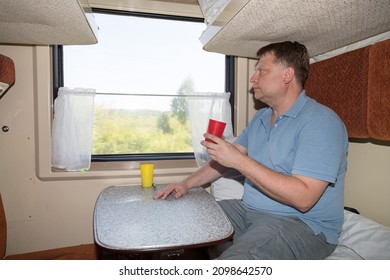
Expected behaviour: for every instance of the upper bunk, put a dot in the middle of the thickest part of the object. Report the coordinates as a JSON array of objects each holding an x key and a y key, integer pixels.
[
  {"x": 47, "y": 22},
  {"x": 348, "y": 42},
  {"x": 326, "y": 27}
]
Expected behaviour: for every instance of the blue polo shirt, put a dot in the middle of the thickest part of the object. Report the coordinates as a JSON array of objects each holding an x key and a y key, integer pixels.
[{"x": 308, "y": 140}]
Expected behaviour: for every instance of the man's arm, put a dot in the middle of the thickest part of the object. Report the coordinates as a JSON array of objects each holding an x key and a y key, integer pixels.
[
  {"x": 207, "y": 173},
  {"x": 298, "y": 191}
]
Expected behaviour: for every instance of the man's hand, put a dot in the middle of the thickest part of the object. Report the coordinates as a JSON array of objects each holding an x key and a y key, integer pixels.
[
  {"x": 179, "y": 189},
  {"x": 223, "y": 152}
]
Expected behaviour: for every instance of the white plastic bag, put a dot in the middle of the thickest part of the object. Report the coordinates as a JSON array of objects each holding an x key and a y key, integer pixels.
[
  {"x": 201, "y": 108},
  {"x": 72, "y": 129}
]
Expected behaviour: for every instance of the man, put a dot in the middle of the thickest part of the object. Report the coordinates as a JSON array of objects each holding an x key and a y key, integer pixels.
[{"x": 294, "y": 157}]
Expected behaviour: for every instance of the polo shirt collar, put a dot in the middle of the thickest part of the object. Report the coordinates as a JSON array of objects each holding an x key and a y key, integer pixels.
[
  {"x": 292, "y": 112},
  {"x": 298, "y": 105}
]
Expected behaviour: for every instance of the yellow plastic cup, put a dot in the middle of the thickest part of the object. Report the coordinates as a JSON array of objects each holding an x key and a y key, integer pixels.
[{"x": 147, "y": 170}]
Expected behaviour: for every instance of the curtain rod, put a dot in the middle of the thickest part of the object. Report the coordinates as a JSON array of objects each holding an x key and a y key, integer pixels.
[{"x": 212, "y": 94}]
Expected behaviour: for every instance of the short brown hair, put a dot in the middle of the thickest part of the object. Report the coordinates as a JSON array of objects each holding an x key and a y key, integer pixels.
[{"x": 291, "y": 54}]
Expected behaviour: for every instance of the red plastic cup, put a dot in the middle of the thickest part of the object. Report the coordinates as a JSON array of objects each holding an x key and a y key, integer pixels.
[{"x": 215, "y": 128}]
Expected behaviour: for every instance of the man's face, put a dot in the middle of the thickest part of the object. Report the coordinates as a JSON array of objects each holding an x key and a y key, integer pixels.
[{"x": 268, "y": 79}]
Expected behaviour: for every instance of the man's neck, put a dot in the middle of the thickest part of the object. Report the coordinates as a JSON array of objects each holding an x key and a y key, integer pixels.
[{"x": 286, "y": 103}]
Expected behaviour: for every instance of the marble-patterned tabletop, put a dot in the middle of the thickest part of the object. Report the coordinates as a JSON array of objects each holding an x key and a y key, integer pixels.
[{"x": 127, "y": 218}]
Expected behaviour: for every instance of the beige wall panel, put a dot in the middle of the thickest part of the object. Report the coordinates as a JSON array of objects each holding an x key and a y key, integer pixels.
[
  {"x": 17, "y": 145},
  {"x": 368, "y": 180}
]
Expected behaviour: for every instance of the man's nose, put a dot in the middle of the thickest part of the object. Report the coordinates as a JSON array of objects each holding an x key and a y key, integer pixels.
[{"x": 254, "y": 78}]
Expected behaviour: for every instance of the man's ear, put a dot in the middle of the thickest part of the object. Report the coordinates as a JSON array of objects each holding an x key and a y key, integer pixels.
[{"x": 289, "y": 75}]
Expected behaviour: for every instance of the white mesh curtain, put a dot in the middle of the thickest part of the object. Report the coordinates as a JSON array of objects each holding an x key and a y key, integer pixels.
[
  {"x": 72, "y": 129},
  {"x": 202, "y": 107},
  {"x": 212, "y": 8}
]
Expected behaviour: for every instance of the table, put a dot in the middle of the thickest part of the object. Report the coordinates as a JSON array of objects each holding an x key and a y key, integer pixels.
[{"x": 127, "y": 218}]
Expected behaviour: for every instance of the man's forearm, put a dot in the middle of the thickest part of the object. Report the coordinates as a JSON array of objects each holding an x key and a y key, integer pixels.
[{"x": 206, "y": 174}]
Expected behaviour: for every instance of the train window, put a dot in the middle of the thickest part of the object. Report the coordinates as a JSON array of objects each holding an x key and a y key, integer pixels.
[{"x": 142, "y": 68}]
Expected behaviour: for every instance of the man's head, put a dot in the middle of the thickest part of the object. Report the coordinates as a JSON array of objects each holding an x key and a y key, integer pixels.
[{"x": 290, "y": 54}]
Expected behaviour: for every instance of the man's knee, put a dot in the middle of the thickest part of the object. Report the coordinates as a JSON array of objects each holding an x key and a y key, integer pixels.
[{"x": 272, "y": 248}]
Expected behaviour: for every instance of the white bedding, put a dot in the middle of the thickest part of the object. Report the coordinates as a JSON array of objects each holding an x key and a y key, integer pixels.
[{"x": 360, "y": 239}]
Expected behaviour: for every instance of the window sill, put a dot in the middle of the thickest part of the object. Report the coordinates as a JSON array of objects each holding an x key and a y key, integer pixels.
[{"x": 130, "y": 170}]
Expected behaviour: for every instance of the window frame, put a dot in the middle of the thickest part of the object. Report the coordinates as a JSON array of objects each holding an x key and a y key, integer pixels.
[{"x": 58, "y": 81}]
